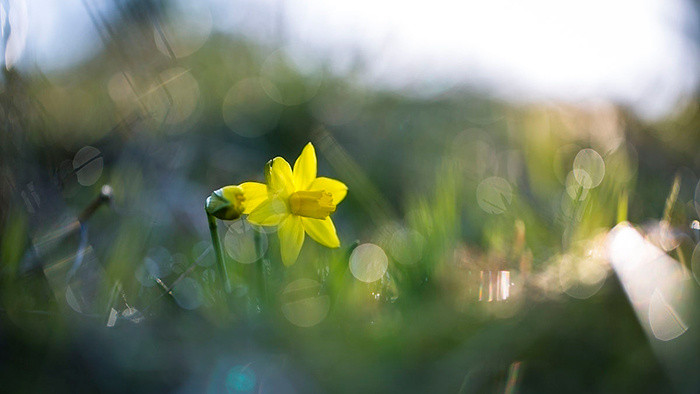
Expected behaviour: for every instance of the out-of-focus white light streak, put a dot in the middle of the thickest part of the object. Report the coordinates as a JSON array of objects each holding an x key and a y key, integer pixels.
[{"x": 652, "y": 280}]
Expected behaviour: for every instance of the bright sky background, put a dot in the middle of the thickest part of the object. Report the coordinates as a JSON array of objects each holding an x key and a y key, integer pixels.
[{"x": 636, "y": 52}]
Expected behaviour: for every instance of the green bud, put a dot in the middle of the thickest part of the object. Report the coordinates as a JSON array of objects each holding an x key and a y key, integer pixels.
[{"x": 226, "y": 203}]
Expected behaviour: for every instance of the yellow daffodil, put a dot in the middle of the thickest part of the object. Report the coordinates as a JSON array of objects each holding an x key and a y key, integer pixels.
[{"x": 298, "y": 202}]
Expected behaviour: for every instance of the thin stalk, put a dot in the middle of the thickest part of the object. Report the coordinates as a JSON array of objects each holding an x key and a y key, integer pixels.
[
  {"x": 262, "y": 275},
  {"x": 216, "y": 243}
]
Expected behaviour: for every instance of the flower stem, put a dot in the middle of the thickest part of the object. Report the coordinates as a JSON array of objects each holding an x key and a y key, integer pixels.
[
  {"x": 261, "y": 269},
  {"x": 216, "y": 243}
]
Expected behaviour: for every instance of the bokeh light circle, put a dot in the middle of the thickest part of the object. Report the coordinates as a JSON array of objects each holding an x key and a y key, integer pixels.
[
  {"x": 159, "y": 262},
  {"x": 406, "y": 246},
  {"x": 179, "y": 263},
  {"x": 664, "y": 320},
  {"x": 173, "y": 97},
  {"x": 368, "y": 263},
  {"x": 188, "y": 293},
  {"x": 240, "y": 242},
  {"x": 183, "y": 28},
  {"x": 494, "y": 195},
  {"x": 302, "y": 304},
  {"x": 121, "y": 91},
  {"x": 87, "y": 165},
  {"x": 589, "y": 168},
  {"x": 145, "y": 278}
]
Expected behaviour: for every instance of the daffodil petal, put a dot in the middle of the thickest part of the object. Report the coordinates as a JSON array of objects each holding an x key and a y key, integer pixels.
[
  {"x": 291, "y": 235},
  {"x": 279, "y": 177},
  {"x": 332, "y": 186},
  {"x": 305, "y": 167},
  {"x": 269, "y": 212},
  {"x": 255, "y": 193},
  {"x": 321, "y": 231}
]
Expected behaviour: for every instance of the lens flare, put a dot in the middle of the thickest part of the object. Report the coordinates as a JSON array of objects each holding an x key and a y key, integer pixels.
[{"x": 653, "y": 281}]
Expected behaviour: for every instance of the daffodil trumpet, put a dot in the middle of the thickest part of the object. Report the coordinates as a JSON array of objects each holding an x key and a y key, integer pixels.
[{"x": 298, "y": 202}]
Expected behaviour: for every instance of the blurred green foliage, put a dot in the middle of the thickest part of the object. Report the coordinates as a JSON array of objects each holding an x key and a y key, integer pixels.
[{"x": 452, "y": 188}]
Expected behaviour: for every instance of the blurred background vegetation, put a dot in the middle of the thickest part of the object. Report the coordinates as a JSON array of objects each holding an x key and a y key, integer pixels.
[{"x": 490, "y": 220}]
